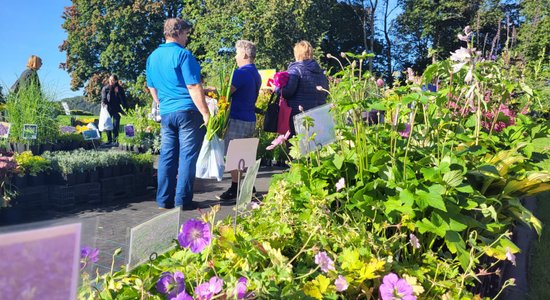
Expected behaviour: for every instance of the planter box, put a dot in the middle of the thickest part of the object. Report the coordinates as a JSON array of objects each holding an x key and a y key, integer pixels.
[
  {"x": 39, "y": 179},
  {"x": 115, "y": 189},
  {"x": 20, "y": 182},
  {"x": 87, "y": 193},
  {"x": 35, "y": 197},
  {"x": 62, "y": 196}
]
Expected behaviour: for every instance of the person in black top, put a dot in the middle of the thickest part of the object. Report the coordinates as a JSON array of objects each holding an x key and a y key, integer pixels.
[
  {"x": 30, "y": 75},
  {"x": 113, "y": 96}
]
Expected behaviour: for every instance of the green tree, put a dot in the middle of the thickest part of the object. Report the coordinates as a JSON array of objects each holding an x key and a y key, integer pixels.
[
  {"x": 106, "y": 37},
  {"x": 425, "y": 24},
  {"x": 534, "y": 33}
]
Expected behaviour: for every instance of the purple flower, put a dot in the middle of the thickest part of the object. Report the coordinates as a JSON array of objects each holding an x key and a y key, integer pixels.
[
  {"x": 341, "y": 283},
  {"x": 394, "y": 288},
  {"x": 129, "y": 130},
  {"x": 182, "y": 296},
  {"x": 340, "y": 184},
  {"x": 206, "y": 290},
  {"x": 171, "y": 285},
  {"x": 325, "y": 262},
  {"x": 240, "y": 288},
  {"x": 380, "y": 83},
  {"x": 406, "y": 132},
  {"x": 195, "y": 234},
  {"x": 87, "y": 255},
  {"x": 510, "y": 256},
  {"x": 414, "y": 241},
  {"x": 279, "y": 140},
  {"x": 68, "y": 129}
]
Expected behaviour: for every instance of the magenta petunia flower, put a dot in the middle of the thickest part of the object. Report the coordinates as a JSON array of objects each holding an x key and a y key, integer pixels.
[
  {"x": 171, "y": 284},
  {"x": 195, "y": 235},
  {"x": 414, "y": 241},
  {"x": 340, "y": 184},
  {"x": 325, "y": 262},
  {"x": 207, "y": 290},
  {"x": 88, "y": 255},
  {"x": 394, "y": 288},
  {"x": 341, "y": 283},
  {"x": 240, "y": 288}
]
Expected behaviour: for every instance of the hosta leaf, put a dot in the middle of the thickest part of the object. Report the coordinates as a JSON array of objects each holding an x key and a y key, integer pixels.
[
  {"x": 453, "y": 178},
  {"x": 531, "y": 181}
]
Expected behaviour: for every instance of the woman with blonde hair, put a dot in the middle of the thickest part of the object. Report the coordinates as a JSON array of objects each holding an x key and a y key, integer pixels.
[
  {"x": 30, "y": 75},
  {"x": 305, "y": 75}
]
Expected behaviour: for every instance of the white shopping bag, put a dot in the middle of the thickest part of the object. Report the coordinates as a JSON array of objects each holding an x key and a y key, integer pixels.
[
  {"x": 105, "y": 120},
  {"x": 210, "y": 163}
]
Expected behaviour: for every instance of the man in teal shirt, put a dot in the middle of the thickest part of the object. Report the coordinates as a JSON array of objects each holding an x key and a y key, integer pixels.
[{"x": 173, "y": 78}]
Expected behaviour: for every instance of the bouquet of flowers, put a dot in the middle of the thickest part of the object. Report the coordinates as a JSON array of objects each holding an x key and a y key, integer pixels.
[
  {"x": 210, "y": 163},
  {"x": 219, "y": 115}
]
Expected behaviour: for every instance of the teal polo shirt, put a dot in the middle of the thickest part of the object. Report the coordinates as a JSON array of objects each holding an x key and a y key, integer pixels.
[{"x": 170, "y": 68}]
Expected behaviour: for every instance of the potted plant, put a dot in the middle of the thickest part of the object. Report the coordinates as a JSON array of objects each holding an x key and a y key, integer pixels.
[{"x": 34, "y": 166}]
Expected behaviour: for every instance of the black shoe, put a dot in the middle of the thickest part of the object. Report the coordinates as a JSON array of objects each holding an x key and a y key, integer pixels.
[
  {"x": 189, "y": 206},
  {"x": 230, "y": 194}
]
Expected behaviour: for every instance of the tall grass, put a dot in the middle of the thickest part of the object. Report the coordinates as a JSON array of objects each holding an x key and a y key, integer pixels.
[{"x": 31, "y": 106}]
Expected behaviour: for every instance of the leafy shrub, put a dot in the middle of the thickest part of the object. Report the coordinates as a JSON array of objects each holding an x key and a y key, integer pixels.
[{"x": 32, "y": 164}]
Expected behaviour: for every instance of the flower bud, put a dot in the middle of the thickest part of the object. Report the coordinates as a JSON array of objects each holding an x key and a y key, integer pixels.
[{"x": 380, "y": 83}]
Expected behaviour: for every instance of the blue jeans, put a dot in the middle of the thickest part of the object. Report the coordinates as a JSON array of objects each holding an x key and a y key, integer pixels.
[{"x": 182, "y": 135}]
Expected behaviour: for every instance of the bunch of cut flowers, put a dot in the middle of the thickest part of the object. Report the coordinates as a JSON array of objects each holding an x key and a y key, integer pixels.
[{"x": 219, "y": 108}]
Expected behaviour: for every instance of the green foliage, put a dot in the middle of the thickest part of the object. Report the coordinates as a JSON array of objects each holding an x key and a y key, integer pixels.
[
  {"x": 431, "y": 206},
  {"x": 30, "y": 106},
  {"x": 111, "y": 37},
  {"x": 32, "y": 164},
  {"x": 534, "y": 33}
]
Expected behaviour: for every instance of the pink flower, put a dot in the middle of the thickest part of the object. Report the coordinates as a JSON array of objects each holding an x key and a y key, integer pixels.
[
  {"x": 380, "y": 83},
  {"x": 278, "y": 141},
  {"x": 405, "y": 133},
  {"x": 340, "y": 184},
  {"x": 414, "y": 241},
  {"x": 207, "y": 290},
  {"x": 341, "y": 283},
  {"x": 395, "y": 288},
  {"x": 240, "y": 288},
  {"x": 324, "y": 261},
  {"x": 510, "y": 256}
]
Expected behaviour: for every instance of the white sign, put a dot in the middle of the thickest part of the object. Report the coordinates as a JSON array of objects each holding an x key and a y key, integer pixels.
[
  {"x": 40, "y": 263},
  {"x": 66, "y": 108},
  {"x": 238, "y": 149},
  {"x": 153, "y": 236},
  {"x": 318, "y": 134}
]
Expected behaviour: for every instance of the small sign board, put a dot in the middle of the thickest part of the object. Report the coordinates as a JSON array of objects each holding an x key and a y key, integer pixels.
[
  {"x": 40, "y": 263},
  {"x": 153, "y": 236},
  {"x": 30, "y": 131},
  {"x": 66, "y": 108},
  {"x": 320, "y": 133},
  {"x": 129, "y": 130},
  {"x": 241, "y": 149},
  {"x": 4, "y": 129},
  {"x": 91, "y": 134},
  {"x": 247, "y": 185}
]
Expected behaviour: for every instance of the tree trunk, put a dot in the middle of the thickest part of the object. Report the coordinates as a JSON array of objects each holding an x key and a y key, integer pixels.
[
  {"x": 388, "y": 44},
  {"x": 372, "y": 17}
]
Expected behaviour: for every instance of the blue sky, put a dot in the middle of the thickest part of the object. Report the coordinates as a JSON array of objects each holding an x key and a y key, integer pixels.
[{"x": 34, "y": 27}]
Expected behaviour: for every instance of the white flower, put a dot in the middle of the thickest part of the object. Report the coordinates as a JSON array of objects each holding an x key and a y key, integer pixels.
[
  {"x": 340, "y": 184},
  {"x": 460, "y": 54},
  {"x": 469, "y": 76},
  {"x": 510, "y": 256},
  {"x": 457, "y": 67}
]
